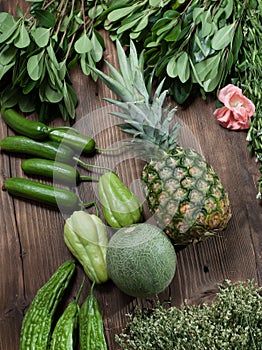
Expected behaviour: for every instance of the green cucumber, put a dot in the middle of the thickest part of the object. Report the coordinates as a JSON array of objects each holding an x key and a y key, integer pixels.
[
  {"x": 26, "y": 127},
  {"x": 77, "y": 142},
  {"x": 42, "y": 193},
  {"x": 39, "y": 131},
  {"x": 46, "y": 149},
  {"x": 59, "y": 172}
]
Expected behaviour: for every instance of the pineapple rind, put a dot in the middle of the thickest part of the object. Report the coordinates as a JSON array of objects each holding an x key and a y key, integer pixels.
[{"x": 186, "y": 196}]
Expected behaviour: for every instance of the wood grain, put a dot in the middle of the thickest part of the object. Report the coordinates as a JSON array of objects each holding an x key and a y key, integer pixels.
[{"x": 31, "y": 240}]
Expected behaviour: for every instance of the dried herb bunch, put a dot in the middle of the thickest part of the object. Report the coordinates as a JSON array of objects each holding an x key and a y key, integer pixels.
[{"x": 233, "y": 321}]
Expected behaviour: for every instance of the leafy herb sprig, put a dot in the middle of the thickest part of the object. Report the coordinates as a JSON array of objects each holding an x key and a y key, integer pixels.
[
  {"x": 37, "y": 49},
  {"x": 248, "y": 75},
  {"x": 233, "y": 321}
]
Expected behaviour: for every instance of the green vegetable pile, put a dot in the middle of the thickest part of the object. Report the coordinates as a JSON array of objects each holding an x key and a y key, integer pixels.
[
  {"x": 56, "y": 153},
  {"x": 39, "y": 329},
  {"x": 37, "y": 49},
  {"x": 233, "y": 321},
  {"x": 195, "y": 45}
]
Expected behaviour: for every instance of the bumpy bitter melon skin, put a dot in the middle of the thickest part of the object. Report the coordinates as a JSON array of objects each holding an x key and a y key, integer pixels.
[
  {"x": 91, "y": 327},
  {"x": 37, "y": 322},
  {"x": 141, "y": 260}
]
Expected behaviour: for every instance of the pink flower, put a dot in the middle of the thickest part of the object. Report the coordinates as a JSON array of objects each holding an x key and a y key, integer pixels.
[{"x": 237, "y": 111}]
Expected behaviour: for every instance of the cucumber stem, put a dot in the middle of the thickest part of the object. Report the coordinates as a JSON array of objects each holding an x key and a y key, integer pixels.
[
  {"x": 99, "y": 149},
  {"x": 90, "y": 178},
  {"x": 90, "y": 204},
  {"x": 91, "y": 165}
]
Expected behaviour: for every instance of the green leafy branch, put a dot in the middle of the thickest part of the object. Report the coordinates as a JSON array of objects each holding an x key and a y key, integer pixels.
[{"x": 37, "y": 49}]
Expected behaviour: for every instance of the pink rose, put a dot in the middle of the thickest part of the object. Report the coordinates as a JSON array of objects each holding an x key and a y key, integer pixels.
[{"x": 237, "y": 111}]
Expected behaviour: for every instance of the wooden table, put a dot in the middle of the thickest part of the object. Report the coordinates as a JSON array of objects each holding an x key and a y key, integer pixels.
[{"x": 31, "y": 240}]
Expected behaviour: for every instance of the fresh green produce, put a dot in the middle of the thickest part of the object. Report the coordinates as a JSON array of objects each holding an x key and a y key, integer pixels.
[
  {"x": 38, "y": 50},
  {"x": 39, "y": 131},
  {"x": 46, "y": 149},
  {"x": 232, "y": 321},
  {"x": 182, "y": 190},
  {"x": 42, "y": 193},
  {"x": 79, "y": 143},
  {"x": 91, "y": 327},
  {"x": 64, "y": 333},
  {"x": 86, "y": 237},
  {"x": 141, "y": 260},
  {"x": 120, "y": 206},
  {"x": 59, "y": 172},
  {"x": 38, "y": 320},
  {"x": 35, "y": 130}
]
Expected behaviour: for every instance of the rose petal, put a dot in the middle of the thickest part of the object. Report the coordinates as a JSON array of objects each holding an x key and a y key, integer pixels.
[
  {"x": 238, "y": 108},
  {"x": 228, "y": 91}
]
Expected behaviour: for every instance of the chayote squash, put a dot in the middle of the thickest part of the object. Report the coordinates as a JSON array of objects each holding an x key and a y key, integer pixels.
[
  {"x": 86, "y": 237},
  {"x": 121, "y": 207}
]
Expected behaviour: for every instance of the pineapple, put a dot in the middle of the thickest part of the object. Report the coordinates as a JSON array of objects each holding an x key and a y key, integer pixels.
[{"x": 182, "y": 190}]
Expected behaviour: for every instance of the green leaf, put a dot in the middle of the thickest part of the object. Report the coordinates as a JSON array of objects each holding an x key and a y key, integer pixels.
[
  {"x": 29, "y": 86},
  {"x": 41, "y": 36},
  {"x": 207, "y": 26},
  {"x": 35, "y": 66},
  {"x": 223, "y": 37},
  {"x": 5, "y": 69},
  {"x": 83, "y": 44},
  {"x": 23, "y": 39},
  {"x": 121, "y": 13},
  {"x": 9, "y": 32},
  {"x": 183, "y": 67},
  {"x": 97, "y": 49},
  {"x": 46, "y": 18},
  {"x": 6, "y": 21},
  {"x": 229, "y": 8},
  {"x": 237, "y": 42},
  {"x": 142, "y": 24},
  {"x": 159, "y": 24},
  {"x": 129, "y": 24},
  {"x": 9, "y": 96},
  {"x": 174, "y": 34},
  {"x": 197, "y": 12},
  {"x": 54, "y": 74},
  {"x": 7, "y": 54},
  {"x": 171, "y": 68},
  {"x": 92, "y": 64},
  {"x": 84, "y": 65},
  {"x": 200, "y": 47},
  {"x": 26, "y": 104},
  {"x": 52, "y": 94},
  {"x": 69, "y": 100},
  {"x": 181, "y": 91},
  {"x": 204, "y": 68},
  {"x": 52, "y": 55}
]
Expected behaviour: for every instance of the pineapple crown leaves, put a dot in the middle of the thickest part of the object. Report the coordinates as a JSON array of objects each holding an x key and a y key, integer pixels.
[{"x": 144, "y": 118}]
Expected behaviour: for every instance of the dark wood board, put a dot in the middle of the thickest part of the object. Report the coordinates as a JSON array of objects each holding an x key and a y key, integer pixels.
[{"x": 31, "y": 240}]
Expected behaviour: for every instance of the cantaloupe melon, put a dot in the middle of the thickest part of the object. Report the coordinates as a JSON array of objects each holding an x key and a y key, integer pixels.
[{"x": 141, "y": 260}]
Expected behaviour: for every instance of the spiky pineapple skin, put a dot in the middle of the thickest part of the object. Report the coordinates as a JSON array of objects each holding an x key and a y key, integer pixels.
[{"x": 186, "y": 196}]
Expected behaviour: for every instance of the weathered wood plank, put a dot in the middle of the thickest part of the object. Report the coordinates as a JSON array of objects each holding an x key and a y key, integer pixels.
[{"x": 31, "y": 240}]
